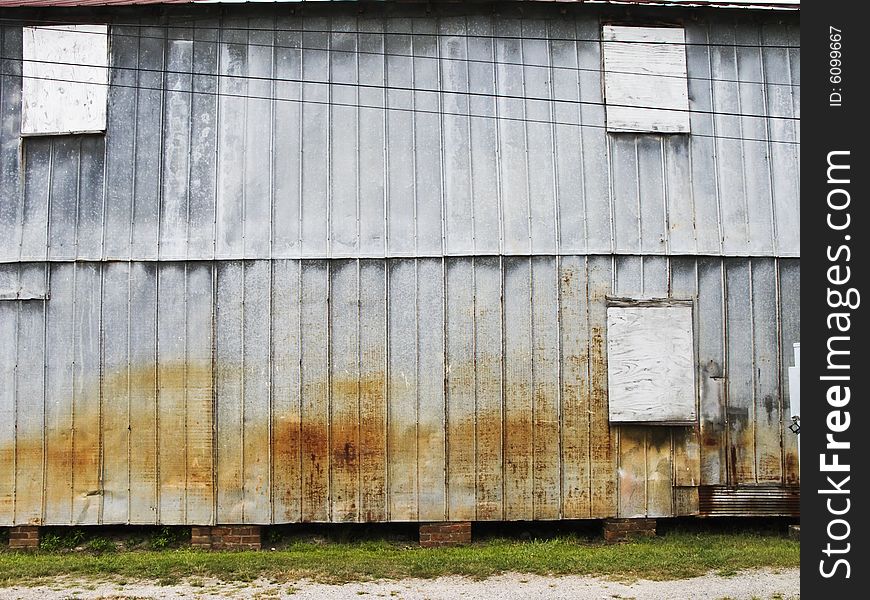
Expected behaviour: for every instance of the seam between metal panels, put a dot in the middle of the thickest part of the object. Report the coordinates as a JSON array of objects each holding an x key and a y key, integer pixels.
[
  {"x": 242, "y": 463},
  {"x": 527, "y": 164},
  {"x": 417, "y": 382},
  {"x": 726, "y": 372},
  {"x": 559, "y": 391},
  {"x": 588, "y": 398},
  {"x": 475, "y": 382},
  {"x": 388, "y": 386},
  {"x": 497, "y": 129},
  {"x": 299, "y": 384},
  {"x": 470, "y": 151},
  {"x": 101, "y": 437},
  {"x": 44, "y": 458},
  {"x": 752, "y": 301},
  {"x": 445, "y": 389},
  {"x": 532, "y": 386}
]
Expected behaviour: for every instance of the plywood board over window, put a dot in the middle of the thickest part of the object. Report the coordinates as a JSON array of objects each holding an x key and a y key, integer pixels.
[
  {"x": 650, "y": 364},
  {"x": 645, "y": 84},
  {"x": 65, "y": 79}
]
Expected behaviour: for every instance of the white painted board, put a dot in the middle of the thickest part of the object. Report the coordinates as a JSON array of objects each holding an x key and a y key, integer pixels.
[
  {"x": 645, "y": 83},
  {"x": 650, "y": 364},
  {"x": 59, "y": 95}
]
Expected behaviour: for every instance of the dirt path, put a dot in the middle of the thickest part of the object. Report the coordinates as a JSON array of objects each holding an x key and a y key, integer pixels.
[{"x": 748, "y": 585}]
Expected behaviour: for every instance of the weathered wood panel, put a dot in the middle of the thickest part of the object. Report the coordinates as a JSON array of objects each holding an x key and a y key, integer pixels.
[{"x": 650, "y": 360}]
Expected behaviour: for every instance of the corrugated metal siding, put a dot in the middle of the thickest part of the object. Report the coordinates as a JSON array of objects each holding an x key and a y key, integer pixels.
[
  {"x": 371, "y": 390},
  {"x": 183, "y": 176}
]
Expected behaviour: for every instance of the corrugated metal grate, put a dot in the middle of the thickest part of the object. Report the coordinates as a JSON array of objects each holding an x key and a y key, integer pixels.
[{"x": 749, "y": 501}]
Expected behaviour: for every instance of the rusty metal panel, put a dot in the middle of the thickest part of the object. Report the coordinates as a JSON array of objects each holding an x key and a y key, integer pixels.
[
  {"x": 740, "y": 369},
  {"x": 373, "y": 396},
  {"x": 142, "y": 382},
  {"x": 546, "y": 398},
  {"x": 459, "y": 330},
  {"x": 488, "y": 388},
  {"x": 575, "y": 386},
  {"x": 789, "y": 279},
  {"x": 402, "y": 391},
  {"x": 344, "y": 393},
  {"x": 431, "y": 419},
  {"x": 283, "y": 340},
  {"x": 314, "y": 361},
  {"x": 601, "y": 447},
  {"x": 256, "y": 392},
  {"x": 749, "y": 500},
  {"x": 229, "y": 424},
  {"x": 519, "y": 426},
  {"x": 286, "y": 417},
  {"x": 8, "y": 405},
  {"x": 13, "y": 222}
]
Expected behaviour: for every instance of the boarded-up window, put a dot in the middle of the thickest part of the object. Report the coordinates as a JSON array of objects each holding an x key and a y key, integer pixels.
[
  {"x": 650, "y": 364},
  {"x": 65, "y": 79},
  {"x": 645, "y": 83}
]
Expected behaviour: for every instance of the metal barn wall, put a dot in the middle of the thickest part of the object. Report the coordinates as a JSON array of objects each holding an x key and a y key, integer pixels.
[
  {"x": 370, "y": 390},
  {"x": 243, "y": 175},
  {"x": 233, "y": 309}
]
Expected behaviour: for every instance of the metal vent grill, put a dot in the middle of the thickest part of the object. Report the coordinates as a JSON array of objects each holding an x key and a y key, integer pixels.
[{"x": 749, "y": 501}]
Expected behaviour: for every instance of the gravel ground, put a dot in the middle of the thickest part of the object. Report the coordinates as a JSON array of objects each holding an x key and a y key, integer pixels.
[{"x": 748, "y": 585}]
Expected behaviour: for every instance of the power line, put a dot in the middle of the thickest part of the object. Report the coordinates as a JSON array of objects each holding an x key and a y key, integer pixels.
[
  {"x": 441, "y": 58},
  {"x": 395, "y": 109},
  {"x": 50, "y": 22},
  {"x": 399, "y": 88}
]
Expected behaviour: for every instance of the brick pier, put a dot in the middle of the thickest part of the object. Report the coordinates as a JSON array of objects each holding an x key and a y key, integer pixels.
[
  {"x": 620, "y": 530},
  {"x": 226, "y": 537},
  {"x": 433, "y": 535}
]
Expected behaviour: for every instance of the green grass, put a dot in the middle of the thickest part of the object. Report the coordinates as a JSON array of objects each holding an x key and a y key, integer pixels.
[{"x": 672, "y": 556}]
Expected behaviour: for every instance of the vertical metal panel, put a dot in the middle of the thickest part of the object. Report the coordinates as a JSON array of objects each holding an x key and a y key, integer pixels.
[
  {"x": 789, "y": 305},
  {"x": 712, "y": 348},
  {"x": 344, "y": 392},
  {"x": 679, "y": 203},
  {"x": 287, "y": 141},
  {"x": 172, "y": 407},
  {"x": 86, "y": 406},
  {"x": 488, "y": 390},
  {"x": 33, "y": 199},
  {"x": 232, "y": 119},
  {"x": 121, "y": 143},
  {"x": 229, "y": 419},
  {"x": 286, "y": 334},
  {"x": 10, "y": 156},
  {"x": 652, "y": 194},
  {"x": 518, "y": 390},
  {"x": 703, "y": 163},
  {"x": 460, "y": 386},
  {"x": 574, "y": 367},
  {"x": 8, "y": 404},
  {"x": 148, "y": 130},
  {"x": 540, "y": 149},
  {"x": 401, "y": 203},
  {"x": 117, "y": 383},
  {"x": 601, "y": 450},
  {"x": 570, "y": 178},
  {"x": 203, "y": 140},
  {"x": 756, "y": 154},
  {"x": 402, "y": 391},
  {"x": 782, "y": 97},
  {"x": 314, "y": 361},
  {"x": 546, "y": 389},
  {"x": 431, "y": 420},
  {"x": 258, "y": 149},
  {"x": 741, "y": 372},
  {"x": 428, "y": 169},
  {"x": 372, "y": 132},
  {"x": 256, "y": 392},
  {"x": 373, "y": 397},
  {"x": 199, "y": 394},
  {"x": 459, "y": 172},
  {"x": 625, "y": 193},
  {"x": 485, "y": 197},
  {"x": 315, "y": 141},
  {"x": 178, "y": 149},
  {"x": 142, "y": 325},
  {"x": 767, "y": 368},
  {"x": 345, "y": 174}
]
